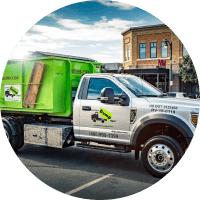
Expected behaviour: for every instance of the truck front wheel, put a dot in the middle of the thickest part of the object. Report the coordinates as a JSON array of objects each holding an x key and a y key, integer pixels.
[{"x": 160, "y": 154}]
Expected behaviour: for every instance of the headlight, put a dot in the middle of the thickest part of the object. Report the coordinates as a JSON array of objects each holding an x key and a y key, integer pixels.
[{"x": 195, "y": 119}]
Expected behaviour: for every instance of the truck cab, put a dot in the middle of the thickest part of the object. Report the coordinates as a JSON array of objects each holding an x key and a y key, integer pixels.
[{"x": 124, "y": 110}]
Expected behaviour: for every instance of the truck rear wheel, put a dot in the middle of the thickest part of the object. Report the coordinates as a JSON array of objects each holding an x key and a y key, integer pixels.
[
  {"x": 13, "y": 139},
  {"x": 160, "y": 154}
]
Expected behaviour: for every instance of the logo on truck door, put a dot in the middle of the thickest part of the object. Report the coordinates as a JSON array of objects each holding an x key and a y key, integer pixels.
[
  {"x": 102, "y": 116},
  {"x": 105, "y": 114}
]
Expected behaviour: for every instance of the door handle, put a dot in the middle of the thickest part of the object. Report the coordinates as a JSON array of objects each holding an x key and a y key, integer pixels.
[{"x": 88, "y": 108}]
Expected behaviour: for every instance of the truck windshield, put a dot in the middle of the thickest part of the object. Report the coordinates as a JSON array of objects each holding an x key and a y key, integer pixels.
[{"x": 139, "y": 87}]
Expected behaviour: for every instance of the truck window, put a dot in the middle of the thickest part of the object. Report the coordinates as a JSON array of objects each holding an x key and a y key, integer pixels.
[{"x": 97, "y": 84}]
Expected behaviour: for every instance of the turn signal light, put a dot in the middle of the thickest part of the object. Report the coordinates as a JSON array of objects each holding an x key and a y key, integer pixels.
[
  {"x": 194, "y": 119},
  {"x": 133, "y": 115}
]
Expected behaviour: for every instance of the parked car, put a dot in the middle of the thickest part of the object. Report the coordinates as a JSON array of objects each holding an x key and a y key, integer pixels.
[{"x": 177, "y": 94}]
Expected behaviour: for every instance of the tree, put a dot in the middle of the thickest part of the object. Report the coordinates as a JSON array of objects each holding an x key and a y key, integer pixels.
[
  {"x": 187, "y": 70},
  {"x": 189, "y": 75}
]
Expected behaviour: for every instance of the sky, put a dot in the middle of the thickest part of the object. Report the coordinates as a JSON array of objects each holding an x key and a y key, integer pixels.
[{"x": 89, "y": 29}]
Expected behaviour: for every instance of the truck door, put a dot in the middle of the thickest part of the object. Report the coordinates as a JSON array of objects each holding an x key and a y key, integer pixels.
[{"x": 101, "y": 121}]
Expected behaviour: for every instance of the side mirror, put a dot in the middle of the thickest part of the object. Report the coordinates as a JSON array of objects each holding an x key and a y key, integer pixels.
[
  {"x": 123, "y": 98},
  {"x": 107, "y": 95}
]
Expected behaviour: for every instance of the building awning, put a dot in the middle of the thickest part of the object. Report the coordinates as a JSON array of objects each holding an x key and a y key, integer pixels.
[{"x": 143, "y": 71}]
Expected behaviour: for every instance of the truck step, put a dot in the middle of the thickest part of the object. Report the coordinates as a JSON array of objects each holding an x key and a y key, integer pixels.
[{"x": 119, "y": 150}]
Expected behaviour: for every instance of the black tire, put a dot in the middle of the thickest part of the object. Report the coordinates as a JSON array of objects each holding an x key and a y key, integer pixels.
[
  {"x": 20, "y": 142},
  {"x": 13, "y": 139},
  {"x": 94, "y": 120},
  {"x": 160, "y": 154},
  {"x": 19, "y": 129},
  {"x": 102, "y": 121}
]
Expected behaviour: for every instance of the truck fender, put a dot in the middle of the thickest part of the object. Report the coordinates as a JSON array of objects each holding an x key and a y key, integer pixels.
[
  {"x": 159, "y": 118},
  {"x": 13, "y": 125}
]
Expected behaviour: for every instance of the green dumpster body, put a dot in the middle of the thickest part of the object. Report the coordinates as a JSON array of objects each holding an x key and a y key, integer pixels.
[{"x": 60, "y": 80}]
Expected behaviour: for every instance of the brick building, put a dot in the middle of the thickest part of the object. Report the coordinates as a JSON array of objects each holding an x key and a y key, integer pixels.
[{"x": 143, "y": 48}]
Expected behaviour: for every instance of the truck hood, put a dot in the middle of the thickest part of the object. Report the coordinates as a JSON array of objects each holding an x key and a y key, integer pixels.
[{"x": 183, "y": 102}]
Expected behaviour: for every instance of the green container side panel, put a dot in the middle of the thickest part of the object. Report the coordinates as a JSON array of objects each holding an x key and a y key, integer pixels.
[
  {"x": 59, "y": 86},
  {"x": 78, "y": 70},
  {"x": 61, "y": 77}
]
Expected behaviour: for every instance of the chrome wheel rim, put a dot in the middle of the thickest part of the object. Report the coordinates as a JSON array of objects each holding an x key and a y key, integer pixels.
[{"x": 160, "y": 158}]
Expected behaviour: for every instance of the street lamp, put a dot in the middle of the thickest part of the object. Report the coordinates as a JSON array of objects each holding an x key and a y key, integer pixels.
[{"x": 170, "y": 71}]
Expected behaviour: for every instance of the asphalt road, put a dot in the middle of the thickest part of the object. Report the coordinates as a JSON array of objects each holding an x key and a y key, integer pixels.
[{"x": 85, "y": 173}]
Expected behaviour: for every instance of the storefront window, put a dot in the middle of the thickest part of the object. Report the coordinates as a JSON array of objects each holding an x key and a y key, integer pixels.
[
  {"x": 143, "y": 50},
  {"x": 153, "y": 78},
  {"x": 164, "y": 51},
  {"x": 153, "y": 50},
  {"x": 129, "y": 53},
  {"x": 126, "y": 54}
]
